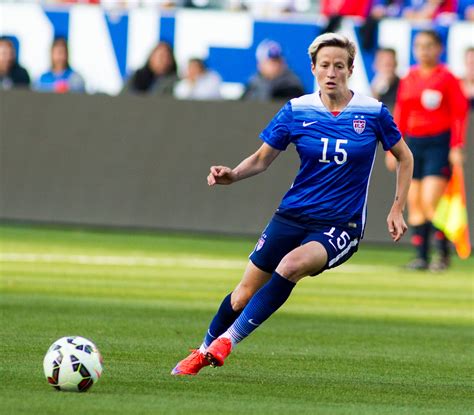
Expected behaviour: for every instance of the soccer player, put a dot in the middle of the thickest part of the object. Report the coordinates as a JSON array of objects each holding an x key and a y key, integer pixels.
[
  {"x": 431, "y": 112},
  {"x": 321, "y": 219}
]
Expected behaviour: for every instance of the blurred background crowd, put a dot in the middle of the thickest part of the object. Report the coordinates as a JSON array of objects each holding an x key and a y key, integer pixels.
[
  {"x": 273, "y": 77},
  {"x": 412, "y": 9}
]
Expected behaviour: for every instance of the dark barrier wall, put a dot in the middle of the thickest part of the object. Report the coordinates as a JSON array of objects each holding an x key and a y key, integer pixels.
[{"x": 143, "y": 162}]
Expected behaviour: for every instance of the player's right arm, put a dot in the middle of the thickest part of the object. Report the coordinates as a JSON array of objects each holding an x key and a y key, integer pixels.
[
  {"x": 395, "y": 221},
  {"x": 251, "y": 166}
]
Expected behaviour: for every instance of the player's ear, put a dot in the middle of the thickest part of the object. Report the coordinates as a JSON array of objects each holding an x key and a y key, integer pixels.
[
  {"x": 351, "y": 70},
  {"x": 313, "y": 68}
]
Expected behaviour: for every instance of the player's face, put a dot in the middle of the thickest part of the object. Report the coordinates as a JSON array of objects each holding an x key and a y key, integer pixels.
[
  {"x": 332, "y": 70},
  {"x": 426, "y": 50}
]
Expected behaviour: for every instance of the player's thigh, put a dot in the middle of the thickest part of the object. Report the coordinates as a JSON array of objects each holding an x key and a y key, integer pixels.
[
  {"x": 432, "y": 188},
  {"x": 253, "y": 279},
  {"x": 302, "y": 261},
  {"x": 278, "y": 238},
  {"x": 321, "y": 249}
]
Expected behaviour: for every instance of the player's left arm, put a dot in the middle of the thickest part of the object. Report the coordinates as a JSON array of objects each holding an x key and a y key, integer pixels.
[{"x": 395, "y": 221}]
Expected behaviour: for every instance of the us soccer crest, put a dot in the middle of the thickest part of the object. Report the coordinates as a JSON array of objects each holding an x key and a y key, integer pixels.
[
  {"x": 359, "y": 125},
  {"x": 260, "y": 242}
]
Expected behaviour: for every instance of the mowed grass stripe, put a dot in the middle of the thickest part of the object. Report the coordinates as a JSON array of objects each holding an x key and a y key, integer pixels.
[
  {"x": 91, "y": 277},
  {"x": 312, "y": 296}
]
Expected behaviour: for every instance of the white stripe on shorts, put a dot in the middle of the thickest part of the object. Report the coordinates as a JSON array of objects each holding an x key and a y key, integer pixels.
[{"x": 341, "y": 254}]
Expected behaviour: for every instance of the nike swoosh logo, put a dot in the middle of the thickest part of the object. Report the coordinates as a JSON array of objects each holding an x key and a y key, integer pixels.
[
  {"x": 306, "y": 124},
  {"x": 252, "y": 323}
]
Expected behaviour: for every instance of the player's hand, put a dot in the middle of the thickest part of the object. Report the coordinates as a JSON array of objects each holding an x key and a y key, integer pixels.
[
  {"x": 390, "y": 161},
  {"x": 220, "y": 175},
  {"x": 396, "y": 224}
]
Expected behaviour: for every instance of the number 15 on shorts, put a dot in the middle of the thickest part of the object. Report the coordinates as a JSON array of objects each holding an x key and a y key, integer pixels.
[
  {"x": 341, "y": 241},
  {"x": 344, "y": 246}
]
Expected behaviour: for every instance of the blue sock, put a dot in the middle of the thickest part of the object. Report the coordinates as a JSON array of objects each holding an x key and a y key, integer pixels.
[
  {"x": 222, "y": 320},
  {"x": 263, "y": 304}
]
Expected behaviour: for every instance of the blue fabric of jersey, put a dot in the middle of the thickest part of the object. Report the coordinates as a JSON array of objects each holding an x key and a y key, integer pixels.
[{"x": 337, "y": 155}]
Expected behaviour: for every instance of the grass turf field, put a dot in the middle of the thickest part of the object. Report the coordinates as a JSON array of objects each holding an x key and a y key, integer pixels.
[{"x": 366, "y": 338}]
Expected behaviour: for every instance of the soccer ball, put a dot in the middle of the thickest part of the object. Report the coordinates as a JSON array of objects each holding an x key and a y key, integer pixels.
[{"x": 72, "y": 364}]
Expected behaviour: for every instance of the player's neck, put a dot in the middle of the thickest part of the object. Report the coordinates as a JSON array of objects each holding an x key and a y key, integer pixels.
[{"x": 336, "y": 102}]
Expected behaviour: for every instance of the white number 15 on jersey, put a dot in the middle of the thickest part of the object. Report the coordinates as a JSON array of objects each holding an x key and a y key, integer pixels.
[{"x": 337, "y": 157}]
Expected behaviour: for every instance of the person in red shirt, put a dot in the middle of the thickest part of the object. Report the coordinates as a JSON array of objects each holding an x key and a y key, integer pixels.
[{"x": 431, "y": 113}]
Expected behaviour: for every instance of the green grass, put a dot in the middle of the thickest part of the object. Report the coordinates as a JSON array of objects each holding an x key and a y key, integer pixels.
[{"x": 366, "y": 338}]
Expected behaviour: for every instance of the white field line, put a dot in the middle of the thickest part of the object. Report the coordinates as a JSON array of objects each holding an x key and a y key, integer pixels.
[
  {"x": 127, "y": 261},
  {"x": 143, "y": 261}
]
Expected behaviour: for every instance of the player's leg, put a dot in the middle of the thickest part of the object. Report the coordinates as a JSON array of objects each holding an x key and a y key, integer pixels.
[
  {"x": 419, "y": 225},
  {"x": 301, "y": 261},
  {"x": 320, "y": 250},
  {"x": 228, "y": 311},
  {"x": 432, "y": 188},
  {"x": 277, "y": 239},
  {"x": 233, "y": 303}
]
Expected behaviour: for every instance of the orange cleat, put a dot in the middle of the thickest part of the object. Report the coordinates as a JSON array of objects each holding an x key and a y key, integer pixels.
[
  {"x": 191, "y": 365},
  {"x": 218, "y": 351}
]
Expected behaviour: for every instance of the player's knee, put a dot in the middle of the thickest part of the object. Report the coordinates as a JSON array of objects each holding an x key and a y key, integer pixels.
[
  {"x": 291, "y": 269},
  {"x": 240, "y": 297}
]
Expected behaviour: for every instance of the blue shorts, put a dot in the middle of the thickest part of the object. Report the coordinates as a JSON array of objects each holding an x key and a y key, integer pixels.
[
  {"x": 431, "y": 155},
  {"x": 282, "y": 235}
]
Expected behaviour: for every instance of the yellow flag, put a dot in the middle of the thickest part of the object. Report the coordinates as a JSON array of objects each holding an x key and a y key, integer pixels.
[{"x": 451, "y": 214}]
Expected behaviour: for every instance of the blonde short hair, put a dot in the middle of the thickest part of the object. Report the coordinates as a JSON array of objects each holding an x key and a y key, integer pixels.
[{"x": 332, "y": 39}]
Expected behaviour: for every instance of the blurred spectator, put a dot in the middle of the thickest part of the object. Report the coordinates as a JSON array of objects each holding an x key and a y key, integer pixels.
[
  {"x": 379, "y": 10},
  {"x": 413, "y": 9},
  {"x": 11, "y": 73},
  {"x": 274, "y": 80},
  {"x": 158, "y": 75},
  {"x": 78, "y": 1},
  {"x": 387, "y": 8},
  {"x": 61, "y": 78},
  {"x": 466, "y": 10},
  {"x": 346, "y": 7},
  {"x": 270, "y": 7},
  {"x": 199, "y": 83},
  {"x": 428, "y": 9},
  {"x": 384, "y": 85},
  {"x": 335, "y": 10},
  {"x": 468, "y": 81}
]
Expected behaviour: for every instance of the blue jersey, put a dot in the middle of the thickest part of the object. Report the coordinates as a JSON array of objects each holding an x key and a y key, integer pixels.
[{"x": 337, "y": 157}]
